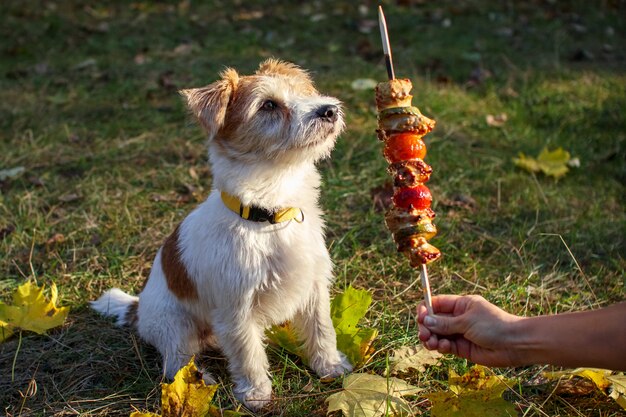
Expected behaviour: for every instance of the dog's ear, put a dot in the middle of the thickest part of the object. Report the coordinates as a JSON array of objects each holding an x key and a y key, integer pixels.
[{"x": 209, "y": 103}]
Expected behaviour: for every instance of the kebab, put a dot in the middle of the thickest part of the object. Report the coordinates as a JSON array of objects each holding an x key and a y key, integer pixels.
[{"x": 401, "y": 127}]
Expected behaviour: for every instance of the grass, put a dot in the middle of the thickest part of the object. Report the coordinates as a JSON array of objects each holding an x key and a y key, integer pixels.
[{"x": 88, "y": 106}]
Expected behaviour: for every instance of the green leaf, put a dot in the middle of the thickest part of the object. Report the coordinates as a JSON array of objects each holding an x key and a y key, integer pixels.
[
  {"x": 551, "y": 163},
  {"x": 473, "y": 394},
  {"x": 346, "y": 310},
  {"x": 366, "y": 395},
  {"x": 285, "y": 336}
]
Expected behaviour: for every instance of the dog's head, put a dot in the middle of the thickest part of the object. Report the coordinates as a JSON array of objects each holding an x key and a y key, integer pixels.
[{"x": 275, "y": 113}]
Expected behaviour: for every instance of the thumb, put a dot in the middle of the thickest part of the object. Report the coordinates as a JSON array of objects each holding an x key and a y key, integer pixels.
[{"x": 445, "y": 325}]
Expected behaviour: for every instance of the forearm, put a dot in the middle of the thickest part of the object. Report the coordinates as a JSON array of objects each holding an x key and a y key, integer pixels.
[{"x": 590, "y": 338}]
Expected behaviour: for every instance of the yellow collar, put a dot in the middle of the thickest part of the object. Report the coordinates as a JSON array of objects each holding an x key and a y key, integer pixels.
[{"x": 258, "y": 214}]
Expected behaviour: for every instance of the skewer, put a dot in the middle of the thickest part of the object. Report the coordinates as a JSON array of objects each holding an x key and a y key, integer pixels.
[
  {"x": 382, "y": 23},
  {"x": 426, "y": 288}
]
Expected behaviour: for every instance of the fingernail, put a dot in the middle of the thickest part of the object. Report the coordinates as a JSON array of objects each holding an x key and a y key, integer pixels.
[{"x": 430, "y": 321}]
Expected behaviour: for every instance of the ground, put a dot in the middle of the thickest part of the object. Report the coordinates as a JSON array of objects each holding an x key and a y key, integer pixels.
[{"x": 112, "y": 162}]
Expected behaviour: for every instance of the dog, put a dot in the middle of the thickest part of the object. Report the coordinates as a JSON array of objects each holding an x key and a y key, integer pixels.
[{"x": 253, "y": 254}]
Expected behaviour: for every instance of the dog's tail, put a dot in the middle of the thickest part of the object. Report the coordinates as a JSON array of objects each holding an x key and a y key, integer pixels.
[{"x": 116, "y": 303}]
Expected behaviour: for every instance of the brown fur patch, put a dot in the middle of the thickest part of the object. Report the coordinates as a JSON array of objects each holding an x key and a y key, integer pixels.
[
  {"x": 176, "y": 276},
  {"x": 130, "y": 318},
  {"x": 205, "y": 335}
]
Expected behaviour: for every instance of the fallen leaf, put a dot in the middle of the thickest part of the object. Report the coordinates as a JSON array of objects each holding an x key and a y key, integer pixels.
[
  {"x": 366, "y": 395},
  {"x": 284, "y": 336},
  {"x": 68, "y": 198},
  {"x": 5, "y": 330},
  {"x": 473, "y": 394},
  {"x": 612, "y": 385},
  {"x": 143, "y": 414},
  {"x": 617, "y": 390},
  {"x": 551, "y": 163},
  {"x": 248, "y": 15},
  {"x": 89, "y": 62},
  {"x": 415, "y": 358},
  {"x": 11, "y": 173},
  {"x": 31, "y": 311},
  {"x": 363, "y": 84},
  {"x": 188, "y": 394},
  {"x": 56, "y": 238},
  {"x": 141, "y": 59},
  {"x": 346, "y": 310},
  {"x": 598, "y": 376},
  {"x": 183, "y": 49},
  {"x": 496, "y": 121}
]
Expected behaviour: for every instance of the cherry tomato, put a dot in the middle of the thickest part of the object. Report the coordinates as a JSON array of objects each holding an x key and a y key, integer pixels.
[
  {"x": 404, "y": 146},
  {"x": 418, "y": 197}
]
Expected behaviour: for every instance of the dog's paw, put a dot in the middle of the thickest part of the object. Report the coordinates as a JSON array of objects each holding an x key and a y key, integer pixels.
[
  {"x": 332, "y": 367},
  {"x": 257, "y": 397}
]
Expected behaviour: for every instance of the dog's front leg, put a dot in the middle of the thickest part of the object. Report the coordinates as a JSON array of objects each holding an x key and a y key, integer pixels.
[
  {"x": 314, "y": 325},
  {"x": 241, "y": 340}
]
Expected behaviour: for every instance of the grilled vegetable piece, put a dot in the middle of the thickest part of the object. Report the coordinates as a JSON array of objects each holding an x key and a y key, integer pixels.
[
  {"x": 409, "y": 173},
  {"x": 394, "y": 93},
  {"x": 403, "y": 147},
  {"x": 417, "y": 197}
]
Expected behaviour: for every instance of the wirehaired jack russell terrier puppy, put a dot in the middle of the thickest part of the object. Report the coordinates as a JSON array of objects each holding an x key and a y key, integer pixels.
[{"x": 253, "y": 254}]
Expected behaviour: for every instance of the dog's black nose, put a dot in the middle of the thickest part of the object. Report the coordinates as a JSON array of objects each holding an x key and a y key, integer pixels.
[{"x": 329, "y": 112}]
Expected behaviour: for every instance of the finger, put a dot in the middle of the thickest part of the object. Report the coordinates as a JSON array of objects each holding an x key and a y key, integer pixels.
[
  {"x": 444, "y": 325},
  {"x": 445, "y": 346},
  {"x": 446, "y": 303},
  {"x": 421, "y": 311},
  {"x": 432, "y": 343},
  {"x": 423, "y": 333}
]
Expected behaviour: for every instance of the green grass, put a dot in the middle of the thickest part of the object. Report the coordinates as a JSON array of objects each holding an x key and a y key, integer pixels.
[{"x": 88, "y": 106}]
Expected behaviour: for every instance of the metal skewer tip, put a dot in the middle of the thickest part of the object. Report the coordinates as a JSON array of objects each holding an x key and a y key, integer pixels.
[
  {"x": 426, "y": 289},
  {"x": 382, "y": 23}
]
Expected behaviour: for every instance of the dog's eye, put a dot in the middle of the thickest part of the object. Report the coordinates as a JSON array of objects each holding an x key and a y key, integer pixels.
[{"x": 269, "y": 105}]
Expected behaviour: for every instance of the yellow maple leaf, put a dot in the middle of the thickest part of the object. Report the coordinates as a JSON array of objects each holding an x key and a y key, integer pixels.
[
  {"x": 188, "y": 396},
  {"x": 31, "y": 311},
  {"x": 473, "y": 394},
  {"x": 612, "y": 385},
  {"x": 5, "y": 331},
  {"x": 551, "y": 163}
]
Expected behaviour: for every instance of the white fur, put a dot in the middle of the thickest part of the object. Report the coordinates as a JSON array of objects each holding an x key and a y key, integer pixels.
[
  {"x": 114, "y": 302},
  {"x": 251, "y": 275}
]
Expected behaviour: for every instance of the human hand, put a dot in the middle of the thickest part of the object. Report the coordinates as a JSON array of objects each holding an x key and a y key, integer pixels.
[{"x": 469, "y": 327}]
